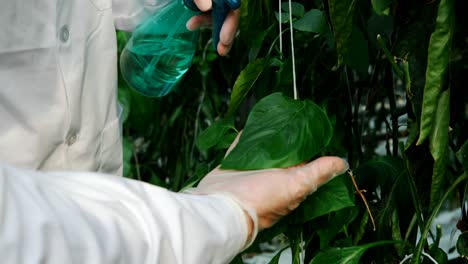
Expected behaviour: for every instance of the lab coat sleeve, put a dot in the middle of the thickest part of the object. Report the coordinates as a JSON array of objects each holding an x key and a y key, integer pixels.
[
  {"x": 129, "y": 13},
  {"x": 65, "y": 217}
]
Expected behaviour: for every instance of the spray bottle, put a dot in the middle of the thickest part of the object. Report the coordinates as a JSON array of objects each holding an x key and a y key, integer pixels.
[{"x": 161, "y": 49}]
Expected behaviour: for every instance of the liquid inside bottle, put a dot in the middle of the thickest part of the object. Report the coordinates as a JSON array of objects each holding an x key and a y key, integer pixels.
[
  {"x": 154, "y": 68},
  {"x": 159, "y": 52}
]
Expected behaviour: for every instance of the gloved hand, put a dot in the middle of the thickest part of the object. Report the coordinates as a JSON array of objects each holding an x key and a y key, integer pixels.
[
  {"x": 268, "y": 195},
  {"x": 228, "y": 31}
]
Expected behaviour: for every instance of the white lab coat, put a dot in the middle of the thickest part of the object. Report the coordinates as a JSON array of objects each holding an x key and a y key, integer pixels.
[{"x": 58, "y": 112}]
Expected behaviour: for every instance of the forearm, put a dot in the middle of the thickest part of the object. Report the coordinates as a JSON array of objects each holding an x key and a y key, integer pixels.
[{"x": 92, "y": 218}]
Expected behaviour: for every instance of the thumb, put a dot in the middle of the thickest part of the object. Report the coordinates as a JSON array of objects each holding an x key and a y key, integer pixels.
[
  {"x": 203, "y": 5},
  {"x": 320, "y": 171}
]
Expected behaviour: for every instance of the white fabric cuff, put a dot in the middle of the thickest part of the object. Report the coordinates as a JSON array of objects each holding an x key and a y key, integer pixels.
[{"x": 242, "y": 209}]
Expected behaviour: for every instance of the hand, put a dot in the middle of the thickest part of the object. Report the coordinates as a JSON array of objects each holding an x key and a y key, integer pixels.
[
  {"x": 228, "y": 30},
  {"x": 274, "y": 193}
]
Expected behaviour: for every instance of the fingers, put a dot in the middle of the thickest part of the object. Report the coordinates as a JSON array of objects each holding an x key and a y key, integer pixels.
[
  {"x": 196, "y": 22},
  {"x": 229, "y": 29},
  {"x": 228, "y": 32},
  {"x": 223, "y": 50},
  {"x": 203, "y": 5},
  {"x": 321, "y": 170}
]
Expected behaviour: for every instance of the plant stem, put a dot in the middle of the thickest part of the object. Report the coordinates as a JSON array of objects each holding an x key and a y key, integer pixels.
[
  {"x": 296, "y": 96},
  {"x": 425, "y": 231},
  {"x": 137, "y": 165},
  {"x": 349, "y": 117},
  {"x": 280, "y": 29},
  {"x": 410, "y": 227},
  {"x": 355, "y": 115},
  {"x": 350, "y": 173},
  {"x": 389, "y": 56},
  {"x": 414, "y": 196},
  {"x": 201, "y": 99},
  {"x": 391, "y": 98},
  {"x": 356, "y": 127},
  {"x": 273, "y": 43}
]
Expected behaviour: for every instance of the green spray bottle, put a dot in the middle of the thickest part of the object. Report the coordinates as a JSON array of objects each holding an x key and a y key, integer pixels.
[{"x": 161, "y": 48}]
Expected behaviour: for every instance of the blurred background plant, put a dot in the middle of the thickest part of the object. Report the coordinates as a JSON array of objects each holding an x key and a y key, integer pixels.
[{"x": 391, "y": 75}]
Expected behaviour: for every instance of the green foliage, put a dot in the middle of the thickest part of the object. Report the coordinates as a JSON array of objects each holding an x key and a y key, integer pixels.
[
  {"x": 337, "y": 194},
  {"x": 438, "y": 146},
  {"x": 381, "y": 7},
  {"x": 462, "y": 155},
  {"x": 245, "y": 82},
  {"x": 417, "y": 256},
  {"x": 341, "y": 16},
  {"x": 312, "y": 21},
  {"x": 280, "y": 132},
  {"x": 347, "y": 255},
  {"x": 335, "y": 224},
  {"x": 388, "y": 76},
  {"x": 438, "y": 255},
  {"x": 462, "y": 244},
  {"x": 276, "y": 258},
  {"x": 438, "y": 61},
  {"x": 297, "y": 9},
  {"x": 217, "y": 134}
]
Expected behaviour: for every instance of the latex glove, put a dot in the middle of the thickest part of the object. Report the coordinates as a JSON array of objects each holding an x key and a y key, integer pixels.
[
  {"x": 268, "y": 195},
  {"x": 228, "y": 30}
]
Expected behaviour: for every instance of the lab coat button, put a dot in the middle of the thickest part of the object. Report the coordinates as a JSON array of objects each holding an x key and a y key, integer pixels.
[
  {"x": 71, "y": 139},
  {"x": 64, "y": 33}
]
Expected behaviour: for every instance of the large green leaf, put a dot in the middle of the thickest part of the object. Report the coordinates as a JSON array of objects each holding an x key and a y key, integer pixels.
[
  {"x": 341, "y": 16},
  {"x": 280, "y": 132},
  {"x": 438, "y": 145},
  {"x": 296, "y": 8},
  {"x": 347, "y": 255},
  {"x": 437, "y": 65},
  {"x": 333, "y": 196},
  {"x": 245, "y": 82},
  {"x": 214, "y": 134},
  {"x": 312, "y": 21}
]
